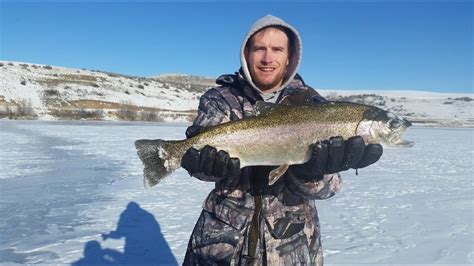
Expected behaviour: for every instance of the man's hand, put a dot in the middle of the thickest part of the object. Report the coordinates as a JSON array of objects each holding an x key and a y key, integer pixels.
[
  {"x": 210, "y": 162},
  {"x": 337, "y": 155},
  {"x": 112, "y": 234}
]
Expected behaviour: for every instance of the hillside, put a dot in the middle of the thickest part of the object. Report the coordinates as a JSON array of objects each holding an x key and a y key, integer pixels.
[
  {"x": 420, "y": 107},
  {"x": 36, "y": 91},
  {"x": 52, "y": 92}
]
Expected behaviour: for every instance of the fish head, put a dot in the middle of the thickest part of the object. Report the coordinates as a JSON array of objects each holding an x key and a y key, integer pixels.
[{"x": 380, "y": 126}]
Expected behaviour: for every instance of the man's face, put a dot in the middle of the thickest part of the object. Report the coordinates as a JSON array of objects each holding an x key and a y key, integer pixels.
[{"x": 267, "y": 58}]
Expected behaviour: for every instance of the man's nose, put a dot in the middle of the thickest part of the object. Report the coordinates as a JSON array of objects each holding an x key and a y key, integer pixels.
[{"x": 267, "y": 57}]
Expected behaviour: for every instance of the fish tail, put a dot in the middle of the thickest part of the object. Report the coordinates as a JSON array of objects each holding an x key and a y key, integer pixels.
[{"x": 160, "y": 158}]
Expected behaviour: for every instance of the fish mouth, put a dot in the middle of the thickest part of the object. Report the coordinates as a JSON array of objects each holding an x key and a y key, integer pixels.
[{"x": 396, "y": 140}]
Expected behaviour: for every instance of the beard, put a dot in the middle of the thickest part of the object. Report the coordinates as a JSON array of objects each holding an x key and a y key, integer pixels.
[{"x": 268, "y": 83}]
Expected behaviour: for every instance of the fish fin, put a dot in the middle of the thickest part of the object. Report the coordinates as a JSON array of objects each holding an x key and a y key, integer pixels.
[
  {"x": 262, "y": 107},
  {"x": 156, "y": 158},
  {"x": 276, "y": 173}
]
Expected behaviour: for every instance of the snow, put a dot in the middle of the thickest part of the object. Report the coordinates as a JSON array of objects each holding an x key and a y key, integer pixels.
[
  {"x": 444, "y": 108},
  {"x": 68, "y": 185},
  {"x": 415, "y": 206},
  {"x": 109, "y": 87},
  {"x": 427, "y": 108}
]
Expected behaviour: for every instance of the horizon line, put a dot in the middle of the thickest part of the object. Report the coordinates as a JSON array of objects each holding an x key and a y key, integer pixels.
[{"x": 468, "y": 91}]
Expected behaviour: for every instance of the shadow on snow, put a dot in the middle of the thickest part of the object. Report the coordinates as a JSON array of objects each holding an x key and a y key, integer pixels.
[{"x": 144, "y": 242}]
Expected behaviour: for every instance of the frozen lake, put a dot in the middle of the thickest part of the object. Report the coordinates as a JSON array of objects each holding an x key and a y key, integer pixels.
[{"x": 65, "y": 186}]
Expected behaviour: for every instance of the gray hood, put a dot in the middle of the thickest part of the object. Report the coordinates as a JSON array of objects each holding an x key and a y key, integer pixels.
[{"x": 295, "y": 58}]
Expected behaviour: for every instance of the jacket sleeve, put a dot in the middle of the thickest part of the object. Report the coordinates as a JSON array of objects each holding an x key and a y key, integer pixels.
[{"x": 212, "y": 110}]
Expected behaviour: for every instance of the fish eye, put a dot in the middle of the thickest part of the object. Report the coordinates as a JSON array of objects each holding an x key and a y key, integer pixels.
[{"x": 394, "y": 123}]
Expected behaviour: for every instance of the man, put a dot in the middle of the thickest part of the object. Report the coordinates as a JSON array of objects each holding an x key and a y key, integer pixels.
[{"x": 244, "y": 220}]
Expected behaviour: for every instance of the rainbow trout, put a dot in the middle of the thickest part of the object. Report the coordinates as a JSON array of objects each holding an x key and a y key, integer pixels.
[{"x": 278, "y": 135}]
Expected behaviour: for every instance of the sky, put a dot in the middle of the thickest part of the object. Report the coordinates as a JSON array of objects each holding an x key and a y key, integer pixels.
[{"x": 346, "y": 45}]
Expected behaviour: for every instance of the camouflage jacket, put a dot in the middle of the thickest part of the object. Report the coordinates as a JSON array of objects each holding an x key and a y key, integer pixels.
[{"x": 244, "y": 220}]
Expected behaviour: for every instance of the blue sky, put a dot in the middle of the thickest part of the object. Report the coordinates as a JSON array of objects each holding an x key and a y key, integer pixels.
[{"x": 346, "y": 45}]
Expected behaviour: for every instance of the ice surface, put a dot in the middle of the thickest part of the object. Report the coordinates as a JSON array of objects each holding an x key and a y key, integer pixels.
[
  {"x": 66, "y": 185},
  {"x": 415, "y": 206}
]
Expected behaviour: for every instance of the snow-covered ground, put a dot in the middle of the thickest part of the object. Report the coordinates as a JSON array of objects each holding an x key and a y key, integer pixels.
[
  {"x": 80, "y": 84},
  {"x": 41, "y": 84},
  {"x": 47, "y": 87},
  {"x": 65, "y": 186}
]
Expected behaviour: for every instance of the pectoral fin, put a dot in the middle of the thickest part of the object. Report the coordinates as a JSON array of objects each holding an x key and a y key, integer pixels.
[{"x": 276, "y": 173}]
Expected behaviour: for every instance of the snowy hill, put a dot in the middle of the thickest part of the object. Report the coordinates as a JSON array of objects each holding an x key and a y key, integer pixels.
[
  {"x": 56, "y": 92},
  {"x": 420, "y": 107},
  {"x": 51, "y": 92}
]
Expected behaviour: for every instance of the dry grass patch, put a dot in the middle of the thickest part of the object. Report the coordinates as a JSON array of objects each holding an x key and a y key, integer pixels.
[
  {"x": 49, "y": 82},
  {"x": 81, "y": 77},
  {"x": 77, "y": 114},
  {"x": 94, "y": 104},
  {"x": 86, "y": 80},
  {"x": 21, "y": 109}
]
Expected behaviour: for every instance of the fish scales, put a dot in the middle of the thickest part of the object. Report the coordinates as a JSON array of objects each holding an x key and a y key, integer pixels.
[{"x": 249, "y": 139}]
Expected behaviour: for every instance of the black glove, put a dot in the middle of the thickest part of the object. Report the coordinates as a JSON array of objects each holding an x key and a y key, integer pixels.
[
  {"x": 337, "y": 155},
  {"x": 193, "y": 130},
  {"x": 210, "y": 162}
]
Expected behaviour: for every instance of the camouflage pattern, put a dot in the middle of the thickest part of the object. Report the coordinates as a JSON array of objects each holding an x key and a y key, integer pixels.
[{"x": 244, "y": 220}]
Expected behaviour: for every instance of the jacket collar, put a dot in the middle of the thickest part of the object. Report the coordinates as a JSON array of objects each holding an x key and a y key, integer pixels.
[{"x": 237, "y": 80}]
